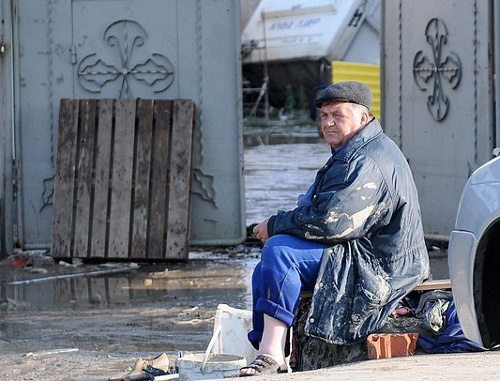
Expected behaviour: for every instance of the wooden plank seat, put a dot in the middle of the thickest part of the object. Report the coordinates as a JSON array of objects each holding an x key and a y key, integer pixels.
[
  {"x": 428, "y": 285},
  {"x": 123, "y": 179}
]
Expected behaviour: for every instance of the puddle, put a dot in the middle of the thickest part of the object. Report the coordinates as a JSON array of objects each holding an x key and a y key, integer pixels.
[
  {"x": 202, "y": 281},
  {"x": 144, "y": 308},
  {"x": 276, "y": 174}
]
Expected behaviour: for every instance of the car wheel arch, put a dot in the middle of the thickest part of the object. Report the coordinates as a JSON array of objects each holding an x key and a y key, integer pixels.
[{"x": 486, "y": 284}]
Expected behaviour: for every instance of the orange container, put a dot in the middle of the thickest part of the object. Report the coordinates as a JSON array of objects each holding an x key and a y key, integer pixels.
[{"x": 387, "y": 345}]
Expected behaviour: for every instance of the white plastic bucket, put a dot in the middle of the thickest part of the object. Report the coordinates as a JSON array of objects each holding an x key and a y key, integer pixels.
[
  {"x": 230, "y": 332},
  {"x": 197, "y": 366}
]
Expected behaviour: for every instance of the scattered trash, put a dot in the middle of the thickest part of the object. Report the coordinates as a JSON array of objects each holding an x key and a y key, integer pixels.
[
  {"x": 195, "y": 321},
  {"x": 159, "y": 274},
  {"x": 167, "y": 377},
  {"x": 21, "y": 261},
  {"x": 114, "y": 265},
  {"x": 13, "y": 304},
  {"x": 401, "y": 310},
  {"x": 194, "y": 311},
  {"x": 43, "y": 254},
  {"x": 149, "y": 369},
  {"x": 39, "y": 270},
  {"x": 73, "y": 275},
  {"x": 51, "y": 352},
  {"x": 66, "y": 264},
  {"x": 22, "y": 258},
  {"x": 95, "y": 299},
  {"x": 77, "y": 261}
]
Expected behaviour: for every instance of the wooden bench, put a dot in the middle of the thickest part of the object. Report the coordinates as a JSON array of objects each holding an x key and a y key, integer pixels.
[
  {"x": 428, "y": 285},
  {"x": 123, "y": 179}
]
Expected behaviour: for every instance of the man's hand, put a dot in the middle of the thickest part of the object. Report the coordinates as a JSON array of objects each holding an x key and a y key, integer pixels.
[{"x": 260, "y": 231}]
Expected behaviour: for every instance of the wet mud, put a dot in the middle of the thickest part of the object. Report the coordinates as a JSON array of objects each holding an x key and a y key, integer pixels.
[
  {"x": 167, "y": 306},
  {"x": 55, "y": 318}
]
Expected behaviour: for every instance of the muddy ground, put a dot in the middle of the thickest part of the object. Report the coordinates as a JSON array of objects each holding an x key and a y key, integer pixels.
[
  {"x": 106, "y": 321},
  {"x": 91, "y": 321}
]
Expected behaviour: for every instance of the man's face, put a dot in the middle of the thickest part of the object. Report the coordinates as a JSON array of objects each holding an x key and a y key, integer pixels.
[{"x": 340, "y": 121}]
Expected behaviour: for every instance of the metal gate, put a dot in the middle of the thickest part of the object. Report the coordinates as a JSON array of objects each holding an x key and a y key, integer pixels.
[
  {"x": 154, "y": 49},
  {"x": 6, "y": 130},
  {"x": 438, "y": 97}
]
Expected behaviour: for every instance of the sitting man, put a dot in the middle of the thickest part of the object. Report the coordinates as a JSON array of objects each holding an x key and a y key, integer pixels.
[{"x": 355, "y": 238}]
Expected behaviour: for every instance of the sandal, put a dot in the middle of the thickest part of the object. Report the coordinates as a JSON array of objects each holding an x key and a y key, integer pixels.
[{"x": 263, "y": 365}]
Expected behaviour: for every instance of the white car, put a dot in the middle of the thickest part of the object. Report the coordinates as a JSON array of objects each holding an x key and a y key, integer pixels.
[{"x": 474, "y": 256}]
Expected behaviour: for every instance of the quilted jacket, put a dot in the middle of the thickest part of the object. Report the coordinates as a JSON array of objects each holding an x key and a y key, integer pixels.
[{"x": 364, "y": 205}]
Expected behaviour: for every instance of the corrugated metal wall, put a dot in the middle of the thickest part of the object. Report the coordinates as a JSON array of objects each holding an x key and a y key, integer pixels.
[{"x": 361, "y": 72}]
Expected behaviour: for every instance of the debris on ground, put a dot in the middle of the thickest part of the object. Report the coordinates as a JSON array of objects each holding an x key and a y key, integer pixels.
[
  {"x": 149, "y": 369},
  {"x": 51, "y": 352},
  {"x": 159, "y": 274}
]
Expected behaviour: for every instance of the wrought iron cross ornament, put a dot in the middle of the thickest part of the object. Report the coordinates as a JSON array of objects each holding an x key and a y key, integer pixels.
[
  {"x": 125, "y": 36},
  {"x": 438, "y": 70}
]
